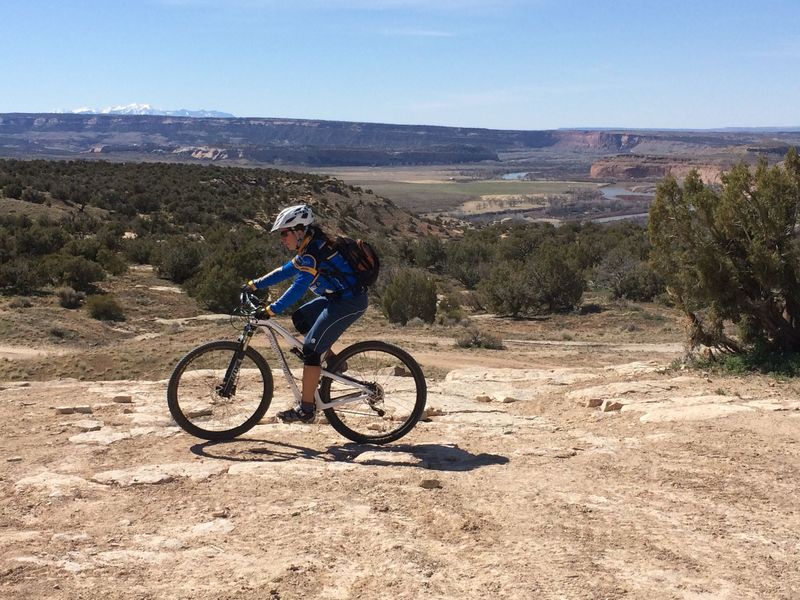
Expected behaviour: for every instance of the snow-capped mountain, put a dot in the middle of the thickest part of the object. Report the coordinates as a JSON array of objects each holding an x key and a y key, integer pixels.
[{"x": 146, "y": 109}]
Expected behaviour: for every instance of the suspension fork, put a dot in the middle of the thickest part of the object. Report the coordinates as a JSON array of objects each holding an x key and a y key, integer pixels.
[{"x": 228, "y": 386}]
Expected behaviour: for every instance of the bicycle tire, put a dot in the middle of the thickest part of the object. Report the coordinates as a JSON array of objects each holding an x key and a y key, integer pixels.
[
  {"x": 399, "y": 383},
  {"x": 192, "y": 392}
]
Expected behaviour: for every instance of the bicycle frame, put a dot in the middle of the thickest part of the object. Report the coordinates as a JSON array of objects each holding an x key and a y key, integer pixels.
[
  {"x": 375, "y": 394},
  {"x": 274, "y": 330}
]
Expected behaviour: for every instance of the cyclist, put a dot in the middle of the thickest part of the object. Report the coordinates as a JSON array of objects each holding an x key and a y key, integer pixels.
[{"x": 316, "y": 266}]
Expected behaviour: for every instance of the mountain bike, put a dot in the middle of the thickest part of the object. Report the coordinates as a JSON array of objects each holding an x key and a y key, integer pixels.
[{"x": 373, "y": 392}]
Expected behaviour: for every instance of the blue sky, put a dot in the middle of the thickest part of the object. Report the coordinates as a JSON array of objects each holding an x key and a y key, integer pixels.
[{"x": 509, "y": 64}]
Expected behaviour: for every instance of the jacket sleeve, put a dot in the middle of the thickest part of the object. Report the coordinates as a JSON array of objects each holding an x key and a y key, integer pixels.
[
  {"x": 281, "y": 273},
  {"x": 305, "y": 268}
]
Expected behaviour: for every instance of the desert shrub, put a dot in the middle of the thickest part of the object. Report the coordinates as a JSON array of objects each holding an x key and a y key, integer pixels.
[
  {"x": 732, "y": 255},
  {"x": 8, "y": 248},
  {"x": 468, "y": 259},
  {"x": 216, "y": 288},
  {"x": 105, "y": 308},
  {"x": 69, "y": 298},
  {"x": 428, "y": 253},
  {"x": 233, "y": 258},
  {"x": 87, "y": 247},
  {"x": 545, "y": 283},
  {"x": 641, "y": 283},
  {"x": 416, "y": 322},
  {"x": 410, "y": 293},
  {"x": 138, "y": 250},
  {"x": 74, "y": 271},
  {"x": 59, "y": 333},
  {"x": 506, "y": 290},
  {"x": 40, "y": 239},
  {"x": 110, "y": 236},
  {"x": 20, "y": 302},
  {"x": 474, "y": 338},
  {"x": 33, "y": 196},
  {"x": 590, "y": 308},
  {"x": 757, "y": 359},
  {"x": 177, "y": 259},
  {"x": 13, "y": 190},
  {"x": 557, "y": 285},
  {"x": 20, "y": 275},
  {"x": 112, "y": 261},
  {"x": 625, "y": 275}
]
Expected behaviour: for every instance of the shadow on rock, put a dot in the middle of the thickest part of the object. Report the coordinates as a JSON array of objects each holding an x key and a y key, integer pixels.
[
  {"x": 255, "y": 450},
  {"x": 437, "y": 457}
]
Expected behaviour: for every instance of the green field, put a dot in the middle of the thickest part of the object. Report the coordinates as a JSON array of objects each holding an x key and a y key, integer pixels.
[{"x": 430, "y": 197}]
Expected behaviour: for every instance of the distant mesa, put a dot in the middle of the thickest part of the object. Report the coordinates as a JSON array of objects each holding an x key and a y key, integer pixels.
[{"x": 141, "y": 132}]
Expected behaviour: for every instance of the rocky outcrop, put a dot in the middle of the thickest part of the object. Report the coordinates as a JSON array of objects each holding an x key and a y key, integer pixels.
[
  {"x": 597, "y": 141},
  {"x": 652, "y": 167}
]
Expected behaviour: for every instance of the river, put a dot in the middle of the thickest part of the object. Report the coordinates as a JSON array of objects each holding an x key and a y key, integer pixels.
[{"x": 610, "y": 192}]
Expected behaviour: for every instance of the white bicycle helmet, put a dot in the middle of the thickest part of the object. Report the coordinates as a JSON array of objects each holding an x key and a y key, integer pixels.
[{"x": 293, "y": 216}]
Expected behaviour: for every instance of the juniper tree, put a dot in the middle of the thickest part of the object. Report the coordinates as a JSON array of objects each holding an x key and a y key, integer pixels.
[{"x": 732, "y": 255}]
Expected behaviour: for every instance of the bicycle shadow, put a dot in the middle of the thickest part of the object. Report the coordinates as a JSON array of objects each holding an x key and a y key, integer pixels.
[{"x": 435, "y": 457}]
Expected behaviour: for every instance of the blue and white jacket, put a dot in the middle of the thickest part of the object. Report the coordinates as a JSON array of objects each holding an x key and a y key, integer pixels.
[{"x": 318, "y": 267}]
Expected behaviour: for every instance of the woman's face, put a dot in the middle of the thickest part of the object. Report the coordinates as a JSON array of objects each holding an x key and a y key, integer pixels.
[{"x": 290, "y": 238}]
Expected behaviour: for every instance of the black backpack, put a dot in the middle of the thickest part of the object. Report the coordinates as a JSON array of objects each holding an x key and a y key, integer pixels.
[{"x": 361, "y": 257}]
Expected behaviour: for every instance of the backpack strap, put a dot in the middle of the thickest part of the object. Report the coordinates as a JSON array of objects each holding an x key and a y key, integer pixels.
[{"x": 323, "y": 255}]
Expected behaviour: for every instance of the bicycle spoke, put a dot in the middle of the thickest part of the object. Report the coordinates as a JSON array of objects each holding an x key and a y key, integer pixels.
[
  {"x": 393, "y": 402},
  {"x": 197, "y": 395}
]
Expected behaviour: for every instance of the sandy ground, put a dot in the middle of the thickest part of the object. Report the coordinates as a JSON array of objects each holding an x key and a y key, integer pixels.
[{"x": 551, "y": 470}]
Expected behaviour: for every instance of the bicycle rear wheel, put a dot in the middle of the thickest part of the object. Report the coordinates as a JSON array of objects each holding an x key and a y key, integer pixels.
[
  {"x": 397, "y": 397},
  {"x": 194, "y": 398}
]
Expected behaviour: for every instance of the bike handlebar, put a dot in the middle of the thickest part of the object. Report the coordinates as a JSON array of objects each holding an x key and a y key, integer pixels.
[{"x": 252, "y": 305}]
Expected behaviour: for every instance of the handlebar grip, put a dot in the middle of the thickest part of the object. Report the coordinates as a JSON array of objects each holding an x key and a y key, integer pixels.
[{"x": 252, "y": 304}]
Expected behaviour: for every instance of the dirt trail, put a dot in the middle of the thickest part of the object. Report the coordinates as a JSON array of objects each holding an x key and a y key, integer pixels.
[
  {"x": 587, "y": 473},
  {"x": 19, "y": 352}
]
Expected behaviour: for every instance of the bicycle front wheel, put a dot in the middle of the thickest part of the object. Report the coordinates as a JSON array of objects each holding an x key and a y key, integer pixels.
[
  {"x": 394, "y": 398},
  {"x": 199, "y": 401}
]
